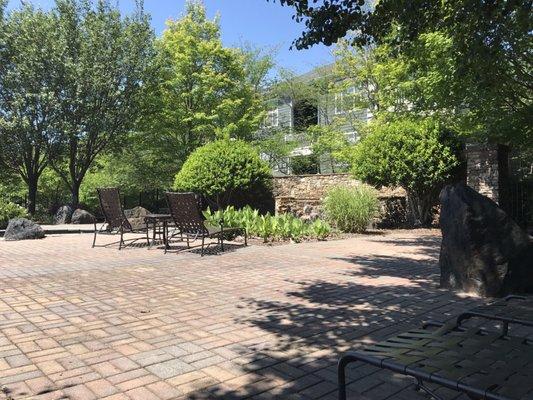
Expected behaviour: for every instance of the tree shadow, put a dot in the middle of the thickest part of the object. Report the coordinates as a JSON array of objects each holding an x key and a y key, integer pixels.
[{"x": 312, "y": 325}]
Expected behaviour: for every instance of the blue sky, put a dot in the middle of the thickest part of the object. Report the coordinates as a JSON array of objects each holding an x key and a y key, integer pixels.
[{"x": 259, "y": 22}]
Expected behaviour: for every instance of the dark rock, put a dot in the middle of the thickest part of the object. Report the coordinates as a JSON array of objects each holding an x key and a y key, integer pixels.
[
  {"x": 63, "y": 215},
  {"x": 22, "y": 229},
  {"x": 483, "y": 250},
  {"x": 80, "y": 216}
]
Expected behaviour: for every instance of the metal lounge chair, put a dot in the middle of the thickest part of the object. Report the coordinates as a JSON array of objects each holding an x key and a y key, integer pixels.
[
  {"x": 189, "y": 222},
  {"x": 509, "y": 310},
  {"x": 481, "y": 364},
  {"x": 115, "y": 221}
]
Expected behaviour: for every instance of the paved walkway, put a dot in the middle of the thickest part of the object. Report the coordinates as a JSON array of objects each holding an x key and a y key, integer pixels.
[{"x": 256, "y": 322}]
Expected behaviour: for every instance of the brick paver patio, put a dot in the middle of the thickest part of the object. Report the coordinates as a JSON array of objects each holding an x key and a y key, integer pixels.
[{"x": 258, "y": 322}]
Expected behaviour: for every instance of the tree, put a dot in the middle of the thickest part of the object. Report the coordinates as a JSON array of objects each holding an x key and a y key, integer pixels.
[
  {"x": 258, "y": 63},
  {"x": 275, "y": 148},
  {"x": 202, "y": 90},
  {"x": 419, "y": 155},
  {"x": 222, "y": 169},
  {"x": 489, "y": 45},
  {"x": 328, "y": 144},
  {"x": 102, "y": 63},
  {"x": 27, "y": 104}
]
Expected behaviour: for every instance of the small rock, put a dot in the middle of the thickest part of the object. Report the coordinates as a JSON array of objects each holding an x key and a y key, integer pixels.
[
  {"x": 23, "y": 229},
  {"x": 82, "y": 217},
  {"x": 63, "y": 215}
]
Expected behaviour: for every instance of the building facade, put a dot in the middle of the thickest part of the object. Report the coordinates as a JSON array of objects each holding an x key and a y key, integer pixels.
[{"x": 290, "y": 116}]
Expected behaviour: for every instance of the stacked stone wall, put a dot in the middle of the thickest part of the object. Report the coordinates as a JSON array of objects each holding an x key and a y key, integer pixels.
[{"x": 302, "y": 195}]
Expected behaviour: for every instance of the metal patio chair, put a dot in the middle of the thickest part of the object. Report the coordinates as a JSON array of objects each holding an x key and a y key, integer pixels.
[
  {"x": 509, "y": 310},
  {"x": 115, "y": 222},
  {"x": 479, "y": 363},
  {"x": 190, "y": 224}
]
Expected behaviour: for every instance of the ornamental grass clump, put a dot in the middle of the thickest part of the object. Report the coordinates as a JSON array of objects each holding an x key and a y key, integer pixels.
[{"x": 351, "y": 209}]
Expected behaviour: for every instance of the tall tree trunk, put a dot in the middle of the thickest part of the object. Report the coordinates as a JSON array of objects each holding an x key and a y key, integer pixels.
[
  {"x": 75, "y": 194},
  {"x": 32, "y": 193}
]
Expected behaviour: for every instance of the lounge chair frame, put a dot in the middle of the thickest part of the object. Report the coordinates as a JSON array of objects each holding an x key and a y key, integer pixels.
[
  {"x": 115, "y": 221},
  {"x": 509, "y": 310},
  {"x": 481, "y": 364},
  {"x": 190, "y": 224}
]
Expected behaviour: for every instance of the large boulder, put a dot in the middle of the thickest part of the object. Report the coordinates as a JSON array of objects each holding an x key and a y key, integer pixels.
[
  {"x": 80, "y": 216},
  {"x": 22, "y": 229},
  {"x": 483, "y": 250},
  {"x": 63, "y": 215}
]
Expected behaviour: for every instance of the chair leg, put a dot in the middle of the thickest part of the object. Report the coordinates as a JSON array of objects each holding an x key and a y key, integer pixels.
[
  {"x": 187, "y": 237},
  {"x": 203, "y": 241},
  {"x": 245, "y": 238},
  {"x": 121, "y": 238},
  {"x": 341, "y": 376},
  {"x": 148, "y": 235},
  {"x": 222, "y": 242},
  {"x": 94, "y": 238}
]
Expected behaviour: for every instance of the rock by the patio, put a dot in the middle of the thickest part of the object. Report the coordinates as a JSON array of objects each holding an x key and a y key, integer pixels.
[
  {"x": 22, "y": 229},
  {"x": 80, "y": 216},
  {"x": 136, "y": 212},
  {"x": 483, "y": 250},
  {"x": 63, "y": 215}
]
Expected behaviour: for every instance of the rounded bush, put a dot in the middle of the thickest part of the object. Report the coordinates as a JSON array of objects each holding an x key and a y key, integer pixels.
[
  {"x": 9, "y": 211},
  {"x": 221, "y": 169},
  {"x": 351, "y": 209}
]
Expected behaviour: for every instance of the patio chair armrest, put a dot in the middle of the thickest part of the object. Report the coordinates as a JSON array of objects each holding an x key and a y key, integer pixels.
[{"x": 432, "y": 323}]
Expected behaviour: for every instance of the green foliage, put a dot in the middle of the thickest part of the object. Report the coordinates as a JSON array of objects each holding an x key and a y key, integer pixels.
[
  {"x": 27, "y": 62},
  {"x": 10, "y": 210},
  {"x": 275, "y": 148},
  {"x": 52, "y": 191},
  {"x": 328, "y": 144},
  {"x": 199, "y": 91},
  {"x": 221, "y": 169},
  {"x": 101, "y": 64},
  {"x": 319, "y": 229},
  {"x": 419, "y": 155},
  {"x": 446, "y": 44},
  {"x": 308, "y": 164},
  {"x": 269, "y": 227},
  {"x": 351, "y": 209}
]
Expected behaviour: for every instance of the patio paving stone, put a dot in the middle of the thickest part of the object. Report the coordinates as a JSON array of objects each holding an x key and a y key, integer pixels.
[{"x": 261, "y": 322}]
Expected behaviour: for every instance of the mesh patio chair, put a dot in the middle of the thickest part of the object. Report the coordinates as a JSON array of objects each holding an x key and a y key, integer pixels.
[
  {"x": 509, "y": 310},
  {"x": 115, "y": 221},
  {"x": 479, "y": 363},
  {"x": 189, "y": 222}
]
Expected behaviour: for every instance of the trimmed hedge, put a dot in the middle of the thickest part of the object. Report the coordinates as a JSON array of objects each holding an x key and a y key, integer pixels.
[{"x": 223, "y": 169}]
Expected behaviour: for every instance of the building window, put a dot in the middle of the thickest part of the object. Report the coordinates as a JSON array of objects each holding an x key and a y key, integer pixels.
[
  {"x": 304, "y": 114},
  {"x": 345, "y": 101},
  {"x": 272, "y": 118}
]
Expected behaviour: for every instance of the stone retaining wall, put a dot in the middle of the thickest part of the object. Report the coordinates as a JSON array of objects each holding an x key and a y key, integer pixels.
[{"x": 302, "y": 195}]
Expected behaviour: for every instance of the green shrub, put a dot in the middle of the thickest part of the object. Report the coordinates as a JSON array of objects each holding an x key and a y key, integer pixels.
[
  {"x": 351, "y": 209},
  {"x": 420, "y": 155},
  {"x": 267, "y": 226},
  {"x": 221, "y": 169},
  {"x": 10, "y": 210}
]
